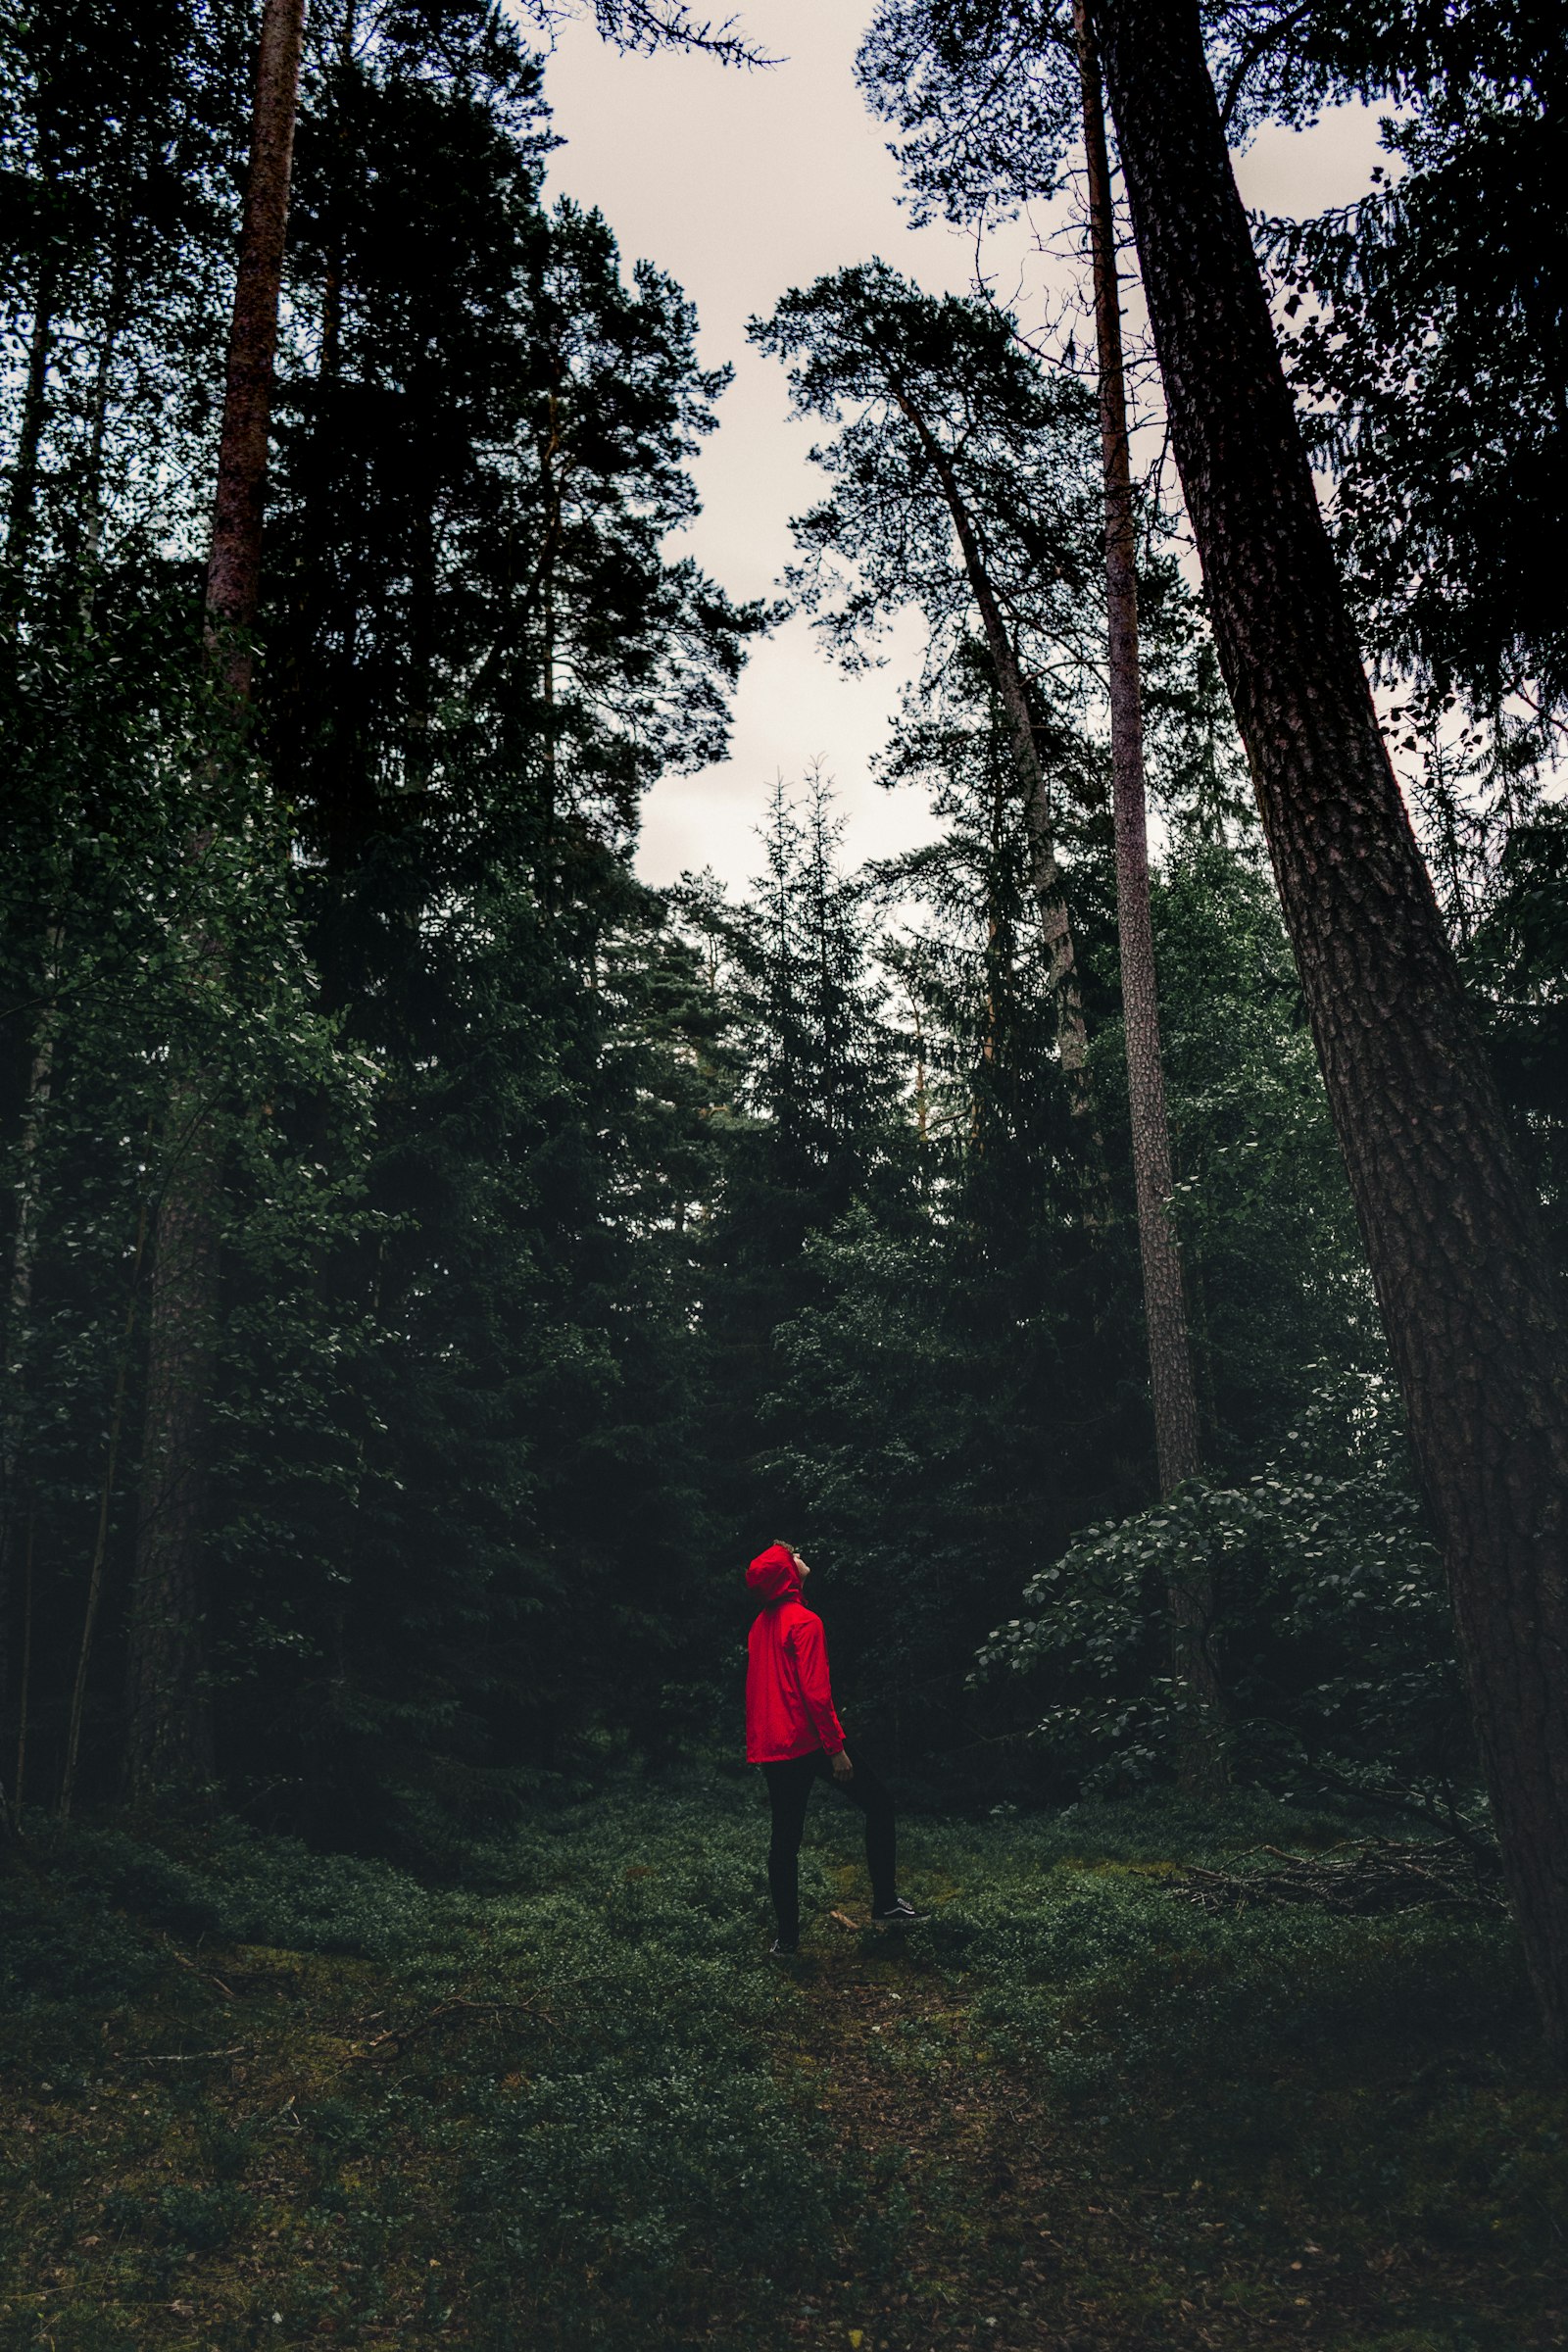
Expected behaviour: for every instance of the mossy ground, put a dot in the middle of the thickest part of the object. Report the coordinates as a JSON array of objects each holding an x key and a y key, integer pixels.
[{"x": 258, "y": 2097}]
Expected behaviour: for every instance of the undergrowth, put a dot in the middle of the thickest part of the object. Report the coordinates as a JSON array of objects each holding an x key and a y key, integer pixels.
[{"x": 262, "y": 2096}]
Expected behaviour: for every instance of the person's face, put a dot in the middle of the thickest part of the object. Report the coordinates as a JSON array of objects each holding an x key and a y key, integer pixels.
[{"x": 804, "y": 1571}]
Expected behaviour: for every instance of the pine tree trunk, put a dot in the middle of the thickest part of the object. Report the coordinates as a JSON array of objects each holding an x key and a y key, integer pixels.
[
  {"x": 1050, "y": 896},
  {"x": 234, "y": 559},
  {"x": 1170, "y": 1359},
  {"x": 89, "y": 514},
  {"x": 168, "y": 1720},
  {"x": 30, "y": 433},
  {"x": 19, "y": 1303},
  {"x": 332, "y": 353},
  {"x": 100, "y": 1548},
  {"x": 1452, "y": 1232},
  {"x": 169, "y": 1717}
]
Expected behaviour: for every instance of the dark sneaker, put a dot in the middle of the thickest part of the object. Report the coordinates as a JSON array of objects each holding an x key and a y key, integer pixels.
[
  {"x": 777, "y": 1951},
  {"x": 899, "y": 1915}
]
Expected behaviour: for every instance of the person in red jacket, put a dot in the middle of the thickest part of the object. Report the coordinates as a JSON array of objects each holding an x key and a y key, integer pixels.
[{"x": 793, "y": 1732}]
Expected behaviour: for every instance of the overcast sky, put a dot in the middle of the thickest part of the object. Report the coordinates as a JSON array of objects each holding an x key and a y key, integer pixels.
[{"x": 741, "y": 185}]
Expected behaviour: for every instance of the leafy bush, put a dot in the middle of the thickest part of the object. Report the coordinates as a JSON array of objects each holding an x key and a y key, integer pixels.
[{"x": 1332, "y": 1624}]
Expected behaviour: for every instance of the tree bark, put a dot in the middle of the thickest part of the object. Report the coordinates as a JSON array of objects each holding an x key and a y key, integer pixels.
[
  {"x": 1452, "y": 1228},
  {"x": 25, "y": 1695},
  {"x": 89, "y": 517},
  {"x": 234, "y": 560},
  {"x": 100, "y": 1547},
  {"x": 1051, "y": 897},
  {"x": 18, "y": 1316},
  {"x": 1171, "y": 1360},
  {"x": 30, "y": 434},
  {"x": 169, "y": 1723},
  {"x": 169, "y": 1716}
]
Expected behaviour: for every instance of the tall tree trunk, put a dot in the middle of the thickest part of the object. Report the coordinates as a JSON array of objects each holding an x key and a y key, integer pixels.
[
  {"x": 25, "y": 1695},
  {"x": 332, "y": 352},
  {"x": 1050, "y": 896},
  {"x": 553, "y": 503},
  {"x": 1170, "y": 1358},
  {"x": 29, "y": 432},
  {"x": 90, "y": 508},
  {"x": 1452, "y": 1232},
  {"x": 100, "y": 1547},
  {"x": 169, "y": 1727},
  {"x": 234, "y": 558},
  {"x": 19, "y": 1314}
]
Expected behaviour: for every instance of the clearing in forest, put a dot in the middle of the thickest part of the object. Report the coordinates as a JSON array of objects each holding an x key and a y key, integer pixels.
[{"x": 258, "y": 2096}]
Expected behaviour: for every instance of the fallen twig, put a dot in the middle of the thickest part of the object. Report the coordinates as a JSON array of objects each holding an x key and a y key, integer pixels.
[
  {"x": 1364, "y": 1876},
  {"x": 183, "y": 1960},
  {"x": 236, "y": 2049},
  {"x": 404, "y": 2035}
]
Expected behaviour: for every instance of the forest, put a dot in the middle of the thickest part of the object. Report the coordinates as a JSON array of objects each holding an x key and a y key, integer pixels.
[{"x": 1118, "y": 1241}]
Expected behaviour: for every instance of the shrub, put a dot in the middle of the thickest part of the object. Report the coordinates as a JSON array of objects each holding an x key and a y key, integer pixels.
[{"x": 1332, "y": 1625}]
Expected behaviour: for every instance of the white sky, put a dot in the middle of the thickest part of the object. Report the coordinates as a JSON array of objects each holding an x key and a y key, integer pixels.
[{"x": 742, "y": 186}]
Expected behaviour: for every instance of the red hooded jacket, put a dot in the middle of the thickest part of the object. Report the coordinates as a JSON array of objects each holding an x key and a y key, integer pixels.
[{"x": 789, "y": 1705}]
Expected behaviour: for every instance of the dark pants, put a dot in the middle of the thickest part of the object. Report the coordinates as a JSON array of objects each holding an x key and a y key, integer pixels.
[{"x": 789, "y": 1789}]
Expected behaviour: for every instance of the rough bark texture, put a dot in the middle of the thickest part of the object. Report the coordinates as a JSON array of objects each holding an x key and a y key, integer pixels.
[
  {"x": 1171, "y": 1360},
  {"x": 169, "y": 1725},
  {"x": 234, "y": 564},
  {"x": 1451, "y": 1230}
]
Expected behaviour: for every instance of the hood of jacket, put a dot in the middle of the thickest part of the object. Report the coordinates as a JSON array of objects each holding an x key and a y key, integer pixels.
[{"x": 773, "y": 1574}]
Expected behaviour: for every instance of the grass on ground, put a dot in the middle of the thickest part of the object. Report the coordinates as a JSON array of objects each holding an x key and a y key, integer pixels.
[{"x": 260, "y": 2097}]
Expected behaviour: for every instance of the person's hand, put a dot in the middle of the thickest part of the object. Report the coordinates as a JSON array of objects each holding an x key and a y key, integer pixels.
[{"x": 842, "y": 1769}]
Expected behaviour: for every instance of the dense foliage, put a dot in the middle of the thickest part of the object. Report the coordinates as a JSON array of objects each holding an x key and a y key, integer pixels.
[{"x": 577, "y": 1237}]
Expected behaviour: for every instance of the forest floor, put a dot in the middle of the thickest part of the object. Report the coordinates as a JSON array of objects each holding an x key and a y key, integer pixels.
[{"x": 258, "y": 2097}]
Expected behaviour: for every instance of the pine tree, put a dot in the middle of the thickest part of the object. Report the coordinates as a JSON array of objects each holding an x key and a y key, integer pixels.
[
  {"x": 1427, "y": 318},
  {"x": 1170, "y": 1363},
  {"x": 951, "y": 431},
  {"x": 1453, "y": 1232},
  {"x": 169, "y": 1726}
]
